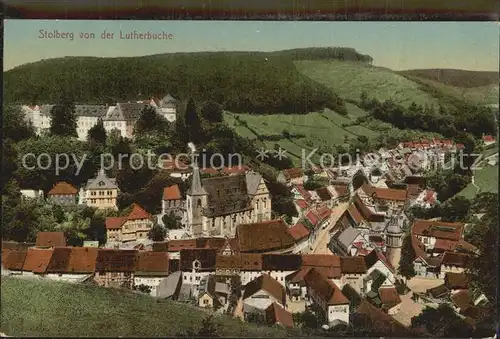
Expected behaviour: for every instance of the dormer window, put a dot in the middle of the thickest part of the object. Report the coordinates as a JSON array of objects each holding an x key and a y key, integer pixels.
[{"x": 101, "y": 183}]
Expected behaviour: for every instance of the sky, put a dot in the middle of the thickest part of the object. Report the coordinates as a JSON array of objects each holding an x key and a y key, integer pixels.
[{"x": 395, "y": 45}]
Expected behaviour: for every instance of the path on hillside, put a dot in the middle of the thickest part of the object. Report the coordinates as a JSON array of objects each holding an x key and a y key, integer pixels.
[{"x": 321, "y": 244}]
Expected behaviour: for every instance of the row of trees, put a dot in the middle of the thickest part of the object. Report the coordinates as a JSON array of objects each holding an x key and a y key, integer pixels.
[{"x": 449, "y": 121}]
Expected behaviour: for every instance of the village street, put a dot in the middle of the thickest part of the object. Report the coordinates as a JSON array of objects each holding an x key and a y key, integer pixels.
[{"x": 323, "y": 237}]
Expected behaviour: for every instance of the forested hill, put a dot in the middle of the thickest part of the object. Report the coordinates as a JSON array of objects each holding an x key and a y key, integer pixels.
[
  {"x": 456, "y": 77},
  {"x": 257, "y": 82}
]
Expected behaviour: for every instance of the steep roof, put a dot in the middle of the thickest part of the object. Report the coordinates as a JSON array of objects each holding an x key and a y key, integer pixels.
[
  {"x": 152, "y": 263},
  {"x": 375, "y": 256},
  {"x": 293, "y": 173},
  {"x": 226, "y": 195},
  {"x": 438, "y": 229},
  {"x": 63, "y": 188},
  {"x": 323, "y": 194},
  {"x": 455, "y": 259},
  {"x": 327, "y": 264},
  {"x": 381, "y": 320},
  {"x": 389, "y": 297},
  {"x": 268, "y": 284},
  {"x": 14, "y": 259},
  {"x": 172, "y": 193},
  {"x": 82, "y": 259},
  {"x": 325, "y": 288},
  {"x": 264, "y": 236},
  {"x": 101, "y": 182},
  {"x": 251, "y": 262},
  {"x": 126, "y": 111},
  {"x": 275, "y": 314},
  {"x": 111, "y": 260},
  {"x": 281, "y": 262},
  {"x": 50, "y": 239},
  {"x": 462, "y": 300},
  {"x": 228, "y": 261},
  {"x": 456, "y": 281},
  {"x": 59, "y": 262},
  {"x": 37, "y": 260},
  {"x": 137, "y": 213},
  {"x": 299, "y": 231},
  {"x": 354, "y": 213},
  {"x": 347, "y": 236},
  {"x": 352, "y": 265},
  {"x": 366, "y": 212},
  {"x": 253, "y": 180}
]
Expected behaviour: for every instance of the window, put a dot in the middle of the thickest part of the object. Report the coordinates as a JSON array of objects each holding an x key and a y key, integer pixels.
[
  {"x": 92, "y": 193},
  {"x": 110, "y": 193},
  {"x": 101, "y": 193},
  {"x": 205, "y": 301}
]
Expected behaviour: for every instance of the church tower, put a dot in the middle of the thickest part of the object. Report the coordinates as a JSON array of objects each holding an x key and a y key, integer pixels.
[
  {"x": 196, "y": 200},
  {"x": 394, "y": 239}
]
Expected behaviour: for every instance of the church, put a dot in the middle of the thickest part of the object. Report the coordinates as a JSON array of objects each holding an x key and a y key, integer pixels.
[{"x": 215, "y": 206}]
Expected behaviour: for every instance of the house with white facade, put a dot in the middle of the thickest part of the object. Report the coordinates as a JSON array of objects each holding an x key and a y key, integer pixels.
[
  {"x": 328, "y": 296},
  {"x": 151, "y": 268},
  {"x": 279, "y": 266},
  {"x": 197, "y": 264},
  {"x": 261, "y": 293}
]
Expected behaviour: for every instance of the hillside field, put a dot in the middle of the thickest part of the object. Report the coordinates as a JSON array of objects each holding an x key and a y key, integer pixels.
[
  {"x": 350, "y": 79},
  {"x": 486, "y": 179},
  {"x": 57, "y": 309},
  {"x": 318, "y": 128}
]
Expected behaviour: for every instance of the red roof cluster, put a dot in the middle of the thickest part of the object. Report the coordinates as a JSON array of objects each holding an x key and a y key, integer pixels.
[
  {"x": 137, "y": 213},
  {"x": 488, "y": 138},
  {"x": 299, "y": 231},
  {"x": 437, "y": 229},
  {"x": 63, "y": 188}
]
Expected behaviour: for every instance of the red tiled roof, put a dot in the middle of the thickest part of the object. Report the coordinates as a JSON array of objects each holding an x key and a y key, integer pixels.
[
  {"x": 445, "y": 245},
  {"x": 464, "y": 245},
  {"x": 390, "y": 194},
  {"x": 111, "y": 260},
  {"x": 381, "y": 320},
  {"x": 354, "y": 213},
  {"x": 312, "y": 218},
  {"x": 264, "y": 236},
  {"x": 430, "y": 196},
  {"x": 179, "y": 244},
  {"x": 303, "y": 192},
  {"x": 179, "y": 166},
  {"x": 460, "y": 146},
  {"x": 251, "y": 261},
  {"x": 389, "y": 297},
  {"x": 82, "y": 259},
  {"x": 376, "y": 255},
  {"x": 63, "y": 188},
  {"x": 352, "y": 265},
  {"x": 137, "y": 213},
  {"x": 37, "y": 260},
  {"x": 438, "y": 229},
  {"x": 293, "y": 173},
  {"x": 172, "y": 193},
  {"x": 228, "y": 261},
  {"x": 276, "y": 314},
  {"x": 115, "y": 222},
  {"x": 301, "y": 203},
  {"x": 299, "y": 231},
  {"x": 297, "y": 277},
  {"x": 268, "y": 284},
  {"x": 455, "y": 259},
  {"x": 323, "y": 213},
  {"x": 327, "y": 264},
  {"x": 488, "y": 138},
  {"x": 14, "y": 259},
  {"x": 325, "y": 288},
  {"x": 152, "y": 262},
  {"x": 447, "y": 142},
  {"x": 462, "y": 300},
  {"x": 50, "y": 239},
  {"x": 455, "y": 281},
  {"x": 323, "y": 194}
]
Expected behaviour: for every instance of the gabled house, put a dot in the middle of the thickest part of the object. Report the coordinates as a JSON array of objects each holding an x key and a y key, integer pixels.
[
  {"x": 115, "y": 268},
  {"x": 251, "y": 267},
  {"x": 352, "y": 269},
  {"x": 50, "y": 239},
  {"x": 123, "y": 117},
  {"x": 343, "y": 242},
  {"x": 213, "y": 294},
  {"x": 36, "y": 195},
  {"x": 291, "y": 176},
  {"x": 377, "y": 261},
  {"x": 72, "y": 264},
  {"x": 278, "y": 266},
  {"x": 453, "y": 262},
  {"x": 63, "y": 194},
  {"x": 426, "y": 199},
  {"x": 369, "y": 316},
  {"x": 36, "y": 261},
  {"x": 456, "y": 281},
  {"x": 277, "y": 315},
  {"x": 488, "y": 140},
  {"x": 437, "y": 235},
  {"x": 300, "y": 233},
  {"x": 424, "y": 264},
  {"x": 132, "y": 227},
  {"x": 261, "y": 293},
  {"x": 265, "y": 237},
  {"x": 328, "y": 296},
  {"x": 150, "y": 269},
  {"x": 101, "y": 192}
]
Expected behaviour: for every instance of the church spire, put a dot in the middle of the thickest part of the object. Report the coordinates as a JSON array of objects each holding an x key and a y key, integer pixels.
[{"x": 196, "y": 187}]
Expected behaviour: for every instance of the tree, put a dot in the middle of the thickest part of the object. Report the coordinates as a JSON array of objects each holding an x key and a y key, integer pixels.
[
  {"x": 63, "y": 118},
  {"x": 193, "y": 123},
  {"x": 442, "y": 322},
  {"x": 212, "y": 111},
  {"x": 15, "y": 127},
  {"x": 406, "y": 268},
  {"x": 97, "y": 133},
  {"x": 157, "y": 233},
  {"x": 307, "y": 320},
  {"x": 171, "y": 222}
]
